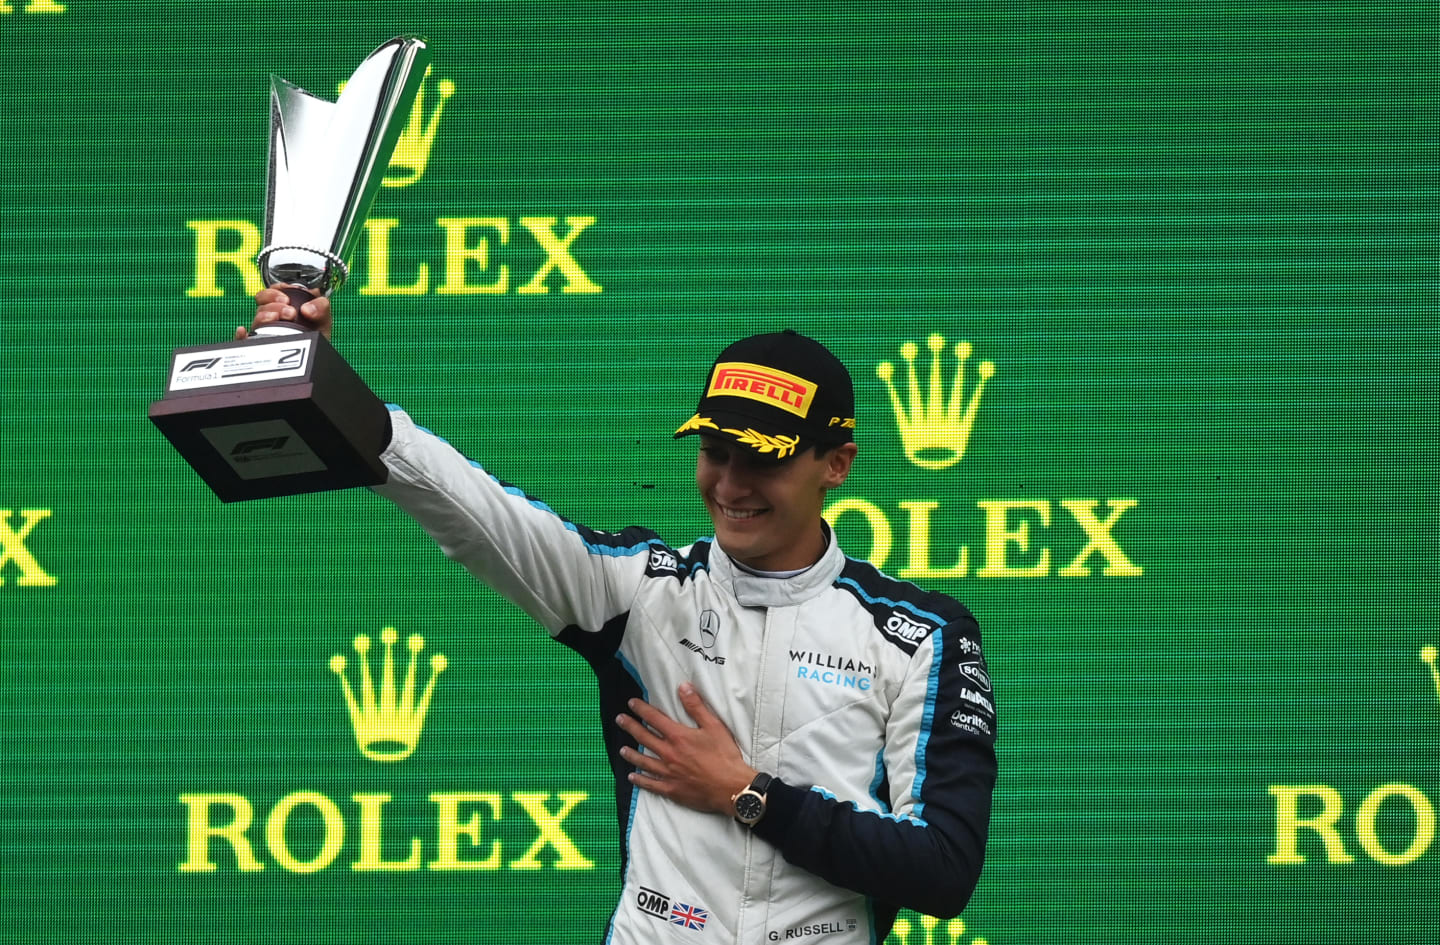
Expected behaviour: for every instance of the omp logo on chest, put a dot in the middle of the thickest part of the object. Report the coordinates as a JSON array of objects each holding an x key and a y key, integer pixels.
[
  {"x": 307, "y": 831},
  {"x": 660, "y": 906},
  {"x": 764, "y": 384}
]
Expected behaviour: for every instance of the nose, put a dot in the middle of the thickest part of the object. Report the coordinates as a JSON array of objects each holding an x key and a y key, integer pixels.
[{"x": 733, "y": 479}]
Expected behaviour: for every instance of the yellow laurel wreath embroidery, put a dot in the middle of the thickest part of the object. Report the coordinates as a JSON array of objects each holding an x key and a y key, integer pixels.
[
  {"x": 697, "y": 422},
  {"x": 780, "y": 445}
]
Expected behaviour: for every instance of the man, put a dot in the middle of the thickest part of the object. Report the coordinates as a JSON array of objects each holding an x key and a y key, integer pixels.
[{"x": 801, "y": 745}]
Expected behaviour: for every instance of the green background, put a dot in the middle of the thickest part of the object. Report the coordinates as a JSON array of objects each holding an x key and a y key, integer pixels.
[{"x": 1198, "y": 244}]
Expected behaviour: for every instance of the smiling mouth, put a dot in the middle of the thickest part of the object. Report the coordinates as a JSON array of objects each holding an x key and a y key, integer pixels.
[{"x": 739, "y": 515}]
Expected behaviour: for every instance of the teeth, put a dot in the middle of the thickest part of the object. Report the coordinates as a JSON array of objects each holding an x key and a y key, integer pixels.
[{"x": 739, "y": 513}]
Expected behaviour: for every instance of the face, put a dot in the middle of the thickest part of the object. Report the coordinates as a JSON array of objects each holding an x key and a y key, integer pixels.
[{"x": 767, "y": 514}]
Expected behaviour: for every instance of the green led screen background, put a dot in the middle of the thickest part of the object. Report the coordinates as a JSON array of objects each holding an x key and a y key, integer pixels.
[{"x": 1193, "y": 509}]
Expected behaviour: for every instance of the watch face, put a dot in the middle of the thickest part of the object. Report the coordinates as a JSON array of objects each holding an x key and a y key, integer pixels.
[{"x": 749, "y": 807}]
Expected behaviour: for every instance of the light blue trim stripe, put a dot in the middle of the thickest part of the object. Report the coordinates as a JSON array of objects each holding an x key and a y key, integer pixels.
[
  {"x": 883, "y": 815},
  {"x": 927, "y": 720},
  {"x": 879, "y": 776},
  {"x": 611, "y": 551},
  {"x": 850, "y": 582},
  {"x": 634, "y": 801}
]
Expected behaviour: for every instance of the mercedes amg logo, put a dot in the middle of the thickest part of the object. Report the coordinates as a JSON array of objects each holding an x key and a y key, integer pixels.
[{"x": 709, "y": 627}]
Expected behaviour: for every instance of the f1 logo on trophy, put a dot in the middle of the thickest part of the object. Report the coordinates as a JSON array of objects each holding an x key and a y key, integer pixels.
[{"x": 281, "y": 413}]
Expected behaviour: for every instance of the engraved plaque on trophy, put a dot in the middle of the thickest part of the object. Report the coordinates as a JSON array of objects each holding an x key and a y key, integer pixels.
[{"x": 282, "y": 413}]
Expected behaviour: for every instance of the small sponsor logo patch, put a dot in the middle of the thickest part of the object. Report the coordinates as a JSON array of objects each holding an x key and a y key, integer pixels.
[
  {"x": 688, "y": 916},
  {"x": 660, "y": 906},
  {"x": 970, "y": 722},
  {"x": 974, "y": 671},
  {"x": 663, "y": 562},
  {"x": 978, "y": 700},
  {"x": 709, "y": 628},
  {"x": 902, "y": 628},
  {"x": 653, "y": 903}
]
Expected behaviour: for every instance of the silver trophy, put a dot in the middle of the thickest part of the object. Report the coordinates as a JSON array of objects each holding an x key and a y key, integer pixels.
[
  {"x": 327, "y": 161},
  {"x": 281, "y": 413}
]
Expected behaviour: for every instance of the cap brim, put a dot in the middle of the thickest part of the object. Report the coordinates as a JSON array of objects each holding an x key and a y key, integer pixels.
[{"x": 745, "y": 431}]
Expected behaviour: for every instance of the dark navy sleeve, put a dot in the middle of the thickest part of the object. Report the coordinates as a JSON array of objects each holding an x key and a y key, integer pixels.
[{"x": 926, "y": 853}]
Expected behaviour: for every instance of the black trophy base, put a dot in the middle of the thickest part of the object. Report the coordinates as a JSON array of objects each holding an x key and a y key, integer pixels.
[{"x": 273, "y": 416}]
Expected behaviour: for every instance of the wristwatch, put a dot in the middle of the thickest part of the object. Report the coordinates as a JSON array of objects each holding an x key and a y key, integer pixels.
[{"x": 750, "y": 803}]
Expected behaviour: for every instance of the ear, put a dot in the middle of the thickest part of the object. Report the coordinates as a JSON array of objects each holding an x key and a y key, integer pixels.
[{"x": 837, "y": 464}]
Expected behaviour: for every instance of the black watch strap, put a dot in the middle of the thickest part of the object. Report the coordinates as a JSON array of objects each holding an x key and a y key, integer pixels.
[{"x": 750, "y": 803}]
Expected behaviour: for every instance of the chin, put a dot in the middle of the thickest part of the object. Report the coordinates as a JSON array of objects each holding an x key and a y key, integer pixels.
[{"x": 736, "y": 546}]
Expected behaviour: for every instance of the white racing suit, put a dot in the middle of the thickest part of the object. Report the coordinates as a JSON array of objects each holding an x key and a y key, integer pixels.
[{"x": 866, "y": 697}]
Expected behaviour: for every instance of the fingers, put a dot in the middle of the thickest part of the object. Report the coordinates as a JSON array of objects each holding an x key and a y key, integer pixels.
[
  {"x": 647, "y": 767},
  {"x": 695, "y": 705},
  {"x": 692, "y": 766},
  {"x": 650, "y": 768},
  {"x": 650, "y": 726},
  {"x": 655, "y": 719},
  {"x": 655, "y": 785},
  {"x": 272, "y": 304}
]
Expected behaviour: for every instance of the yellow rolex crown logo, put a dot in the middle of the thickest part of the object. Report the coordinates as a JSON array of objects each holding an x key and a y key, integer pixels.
[
  {"x": 387, "y": 724},
  {"x": 412, "y": 148},
  {"x": 1428, "y": 656},
  {"x": 935, "y": 425},
  {"x": 905, "y": 932}
]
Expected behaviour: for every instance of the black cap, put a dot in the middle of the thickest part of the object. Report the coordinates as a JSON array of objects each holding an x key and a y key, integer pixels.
[{"x": 776, "y": 394}]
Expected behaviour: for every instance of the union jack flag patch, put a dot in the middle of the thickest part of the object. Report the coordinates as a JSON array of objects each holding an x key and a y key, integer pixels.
[{"x": 688, "y": 917}]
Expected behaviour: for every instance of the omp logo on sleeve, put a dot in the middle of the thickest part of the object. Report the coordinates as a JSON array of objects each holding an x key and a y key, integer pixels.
[
  {"x": 767, "y": 385},
  {"x": 902, "y": 628}
]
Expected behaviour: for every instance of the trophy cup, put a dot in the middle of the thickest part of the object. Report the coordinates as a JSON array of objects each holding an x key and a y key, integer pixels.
[{"x": 281, "y": 413}]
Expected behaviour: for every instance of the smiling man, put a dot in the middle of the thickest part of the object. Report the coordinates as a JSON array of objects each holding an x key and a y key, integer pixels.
[
  {"x": 802, "y": 746},
  {"x": 776, "y": 426}
]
